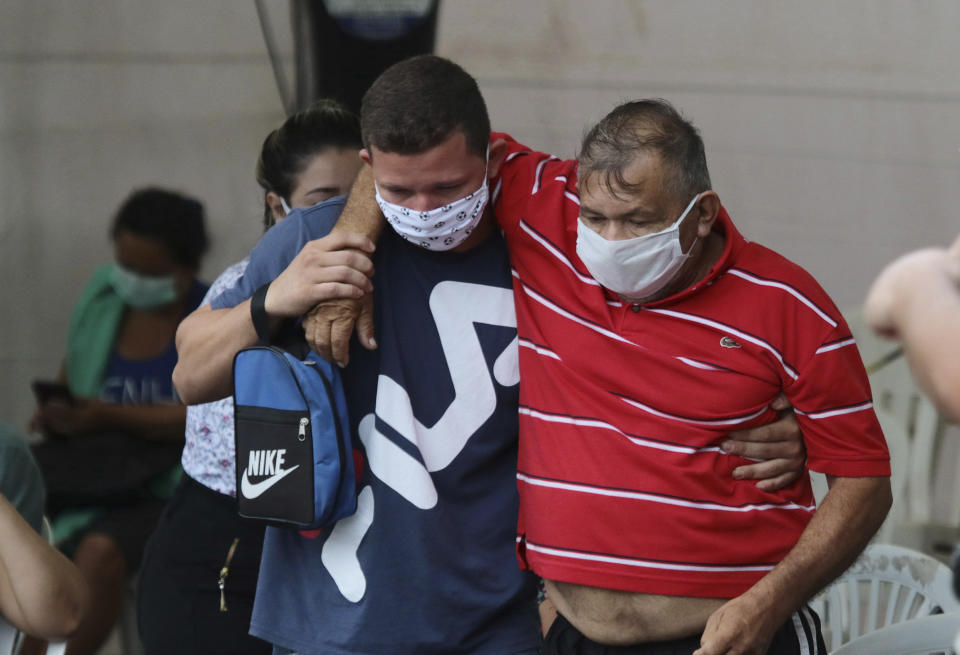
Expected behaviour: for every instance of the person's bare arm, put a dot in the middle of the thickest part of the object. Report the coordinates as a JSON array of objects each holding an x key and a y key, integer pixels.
[
  {"x": 849, "y": 516},
  {"x": 208, "y": 339},
  {"x": 328, "y": 326},
  {"x": 41, "y": 592},
  {"x": 916, "y": 300},
  {"x": 777, "y": 446}
]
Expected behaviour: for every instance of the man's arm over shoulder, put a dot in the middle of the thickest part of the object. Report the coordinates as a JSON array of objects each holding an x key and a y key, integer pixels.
[
  {"x": 361, "y": 214},
  {"x": 520, "y": 176},
  {"x": 298, "y": 278},
  {"x": 328, "y": 326}
]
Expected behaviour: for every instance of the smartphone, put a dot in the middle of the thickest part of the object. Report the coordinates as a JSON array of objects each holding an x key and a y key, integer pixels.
[{"x": 46, "y": 390}]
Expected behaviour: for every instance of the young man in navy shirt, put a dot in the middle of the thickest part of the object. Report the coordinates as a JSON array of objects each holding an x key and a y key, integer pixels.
[{"x": 427, "y": 564}]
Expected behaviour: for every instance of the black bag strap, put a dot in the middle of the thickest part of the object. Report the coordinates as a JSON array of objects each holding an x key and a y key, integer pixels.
[
  {"x": 288, "y": 336},
  {"x": 258, "y": 313}
]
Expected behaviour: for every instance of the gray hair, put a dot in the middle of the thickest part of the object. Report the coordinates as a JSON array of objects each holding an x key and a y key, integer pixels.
[{"x": 645, "y": 126}]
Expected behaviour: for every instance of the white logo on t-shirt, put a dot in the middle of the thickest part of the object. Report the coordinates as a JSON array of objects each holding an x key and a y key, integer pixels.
[{"x": 456, "y": 308}]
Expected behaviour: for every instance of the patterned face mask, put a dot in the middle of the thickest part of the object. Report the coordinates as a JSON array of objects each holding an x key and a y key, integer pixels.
[{"x": 443, "y": 228}]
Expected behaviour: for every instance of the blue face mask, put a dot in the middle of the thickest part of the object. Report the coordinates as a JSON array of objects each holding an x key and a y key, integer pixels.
[{"x": 142, "y": 291}]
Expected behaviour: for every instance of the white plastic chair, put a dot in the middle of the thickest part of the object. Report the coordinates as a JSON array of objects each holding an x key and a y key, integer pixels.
[
  {"x": 124, "y": 632},
  {"x": 11, "y": 640},
  {"x": 53, "y": 647},
  {"x": 9, "y": 637},
  {"x": 902, "y": 460},
  {"x": 56, "y": 647},
  {"x": 928, "y": 635},
  {"x": 46, "y": 530},
  {"x": 887, "y": 585}
]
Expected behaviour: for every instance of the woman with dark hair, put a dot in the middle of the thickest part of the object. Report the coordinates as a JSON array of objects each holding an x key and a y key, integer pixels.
[
  {"x": 200, "y": 568},
  {"x": 112, "y": 443},
  {"x": 312, "y": 157}
]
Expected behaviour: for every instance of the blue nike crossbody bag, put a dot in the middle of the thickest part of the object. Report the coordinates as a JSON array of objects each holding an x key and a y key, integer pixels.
[{"x": 291, "y": 430}]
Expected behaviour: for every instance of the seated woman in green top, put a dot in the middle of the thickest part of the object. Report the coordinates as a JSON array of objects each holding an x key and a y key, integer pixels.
[{"x": 116, "y": 443}]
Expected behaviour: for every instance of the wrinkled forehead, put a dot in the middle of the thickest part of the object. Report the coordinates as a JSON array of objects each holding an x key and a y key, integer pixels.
[{"x": 642, "y": 175}]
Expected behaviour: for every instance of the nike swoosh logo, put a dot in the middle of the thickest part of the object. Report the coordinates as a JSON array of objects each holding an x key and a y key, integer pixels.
[{"x": 252, "y": 490}]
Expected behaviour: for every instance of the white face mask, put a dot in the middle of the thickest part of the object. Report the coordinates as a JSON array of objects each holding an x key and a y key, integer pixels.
[
  {"x": 443, "y": 228},
  {"x": 638, "y": 267}
]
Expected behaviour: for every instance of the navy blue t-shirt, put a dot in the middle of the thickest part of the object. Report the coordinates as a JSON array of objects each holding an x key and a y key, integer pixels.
[
  {"x": 140, "y": 381},
  {"x": 427, "y": 564},
  {"x": 146, "y": 381}
]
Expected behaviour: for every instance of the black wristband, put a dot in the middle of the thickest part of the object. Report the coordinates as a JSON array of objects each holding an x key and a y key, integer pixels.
[{"x": 258, "y": 313}]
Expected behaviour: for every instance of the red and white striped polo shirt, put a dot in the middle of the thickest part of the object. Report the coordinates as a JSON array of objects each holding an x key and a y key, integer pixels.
[{"x": 623, "y": 407}]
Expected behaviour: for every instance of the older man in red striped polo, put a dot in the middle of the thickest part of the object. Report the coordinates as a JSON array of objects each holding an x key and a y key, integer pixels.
[{"x": 649, "y": 329}]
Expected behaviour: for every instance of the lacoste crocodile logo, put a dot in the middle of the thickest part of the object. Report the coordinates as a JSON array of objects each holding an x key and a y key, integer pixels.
[{"x": 727, "y": 342}]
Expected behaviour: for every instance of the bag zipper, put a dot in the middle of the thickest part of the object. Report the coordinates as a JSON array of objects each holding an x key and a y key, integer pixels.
[
  {"x": 271, "y": 415},
  {"x": 263, "y": 413}
]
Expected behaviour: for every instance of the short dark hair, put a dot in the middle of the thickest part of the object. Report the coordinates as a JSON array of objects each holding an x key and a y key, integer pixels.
[
  {"x": 418, "y": 103},
  {"x": 287, "y": 150},
  {"x": 643, "y": 126},
  {"x": 173, "y": 219}
]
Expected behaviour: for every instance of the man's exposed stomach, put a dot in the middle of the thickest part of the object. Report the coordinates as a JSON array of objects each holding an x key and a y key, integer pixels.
[{"x": 617, "y": 618}]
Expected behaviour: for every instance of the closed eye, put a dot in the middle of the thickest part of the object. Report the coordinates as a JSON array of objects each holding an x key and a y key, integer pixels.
[
  {"x": 319, "y": 195},
  {"x": 396, "y": 191}
]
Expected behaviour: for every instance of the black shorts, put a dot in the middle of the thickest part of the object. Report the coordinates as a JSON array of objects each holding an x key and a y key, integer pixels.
[
  {"x": 178, "y": 599},
  {"x": 128, "y": 525},
  {"x": 800, "y": 634}
]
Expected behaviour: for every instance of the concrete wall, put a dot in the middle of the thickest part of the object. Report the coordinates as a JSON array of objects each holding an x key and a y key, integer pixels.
[
  {"x": 831, "y": 128},
  {"x": 98, "y": 98}
]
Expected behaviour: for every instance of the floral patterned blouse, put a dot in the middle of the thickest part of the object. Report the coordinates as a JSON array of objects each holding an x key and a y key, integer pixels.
[{"x": 208, "y": 454}]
